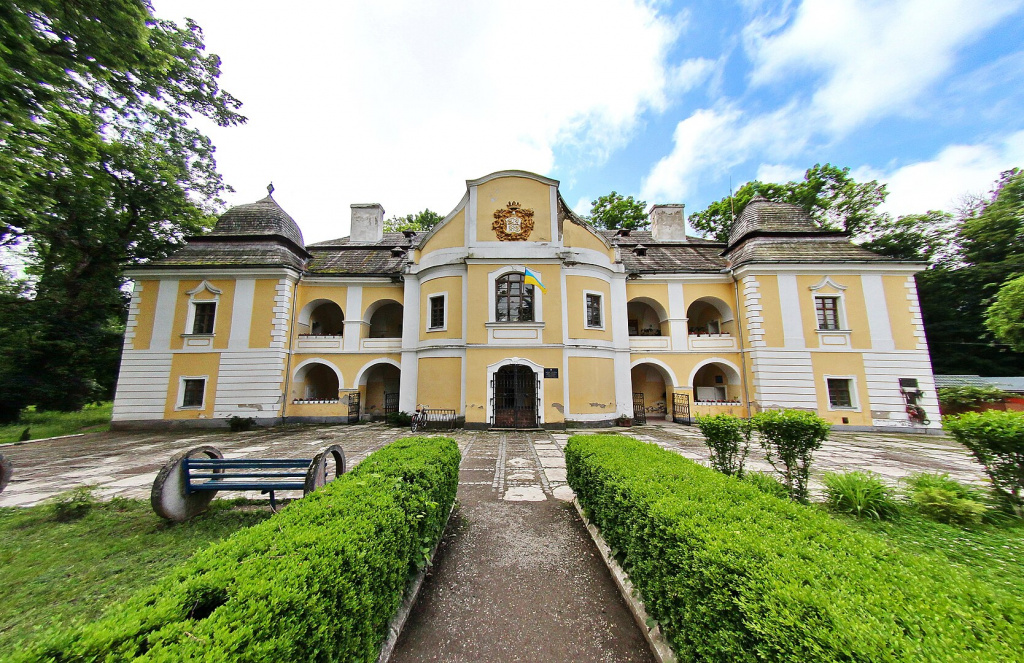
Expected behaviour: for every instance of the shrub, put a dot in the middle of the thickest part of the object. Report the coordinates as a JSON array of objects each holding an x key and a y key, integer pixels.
[
  {"x": 731, "y": 574},
  {"x": 790, "y": 437},
  {"x": 728, "y": 438},
  {"x": 241, "y": 424},
  {"x": 968, "y": 396},
  {"x": 767, "y": 484},
  {"x": 860, "y": 494},
  {"x": 941, "y": 498},
  {"x": 996, "y": 439},
  {"x": 320, "y": 580},
  {"x": 400, "y": 419},
  {"x": 73, "y": 504}
]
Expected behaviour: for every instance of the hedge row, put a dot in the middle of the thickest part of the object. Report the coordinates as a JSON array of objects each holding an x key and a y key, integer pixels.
[
  {"x": 319, "y": 581},
  {"x": 733, "y": 574}
]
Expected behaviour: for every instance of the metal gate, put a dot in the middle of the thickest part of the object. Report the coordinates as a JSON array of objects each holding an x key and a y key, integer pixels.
[
  {"x": 353, "y": 407},
  {"x": 514, "y": 397},
  {"x": 681, "y": 409},
  {"x": 390, "y": 403},
  {"x": 639, "y": 411}
]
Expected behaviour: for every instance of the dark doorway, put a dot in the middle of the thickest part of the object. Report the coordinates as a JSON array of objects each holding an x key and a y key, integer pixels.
[
  {"x": 515, "y": 397},
  {"x": 639, "y": 409}
]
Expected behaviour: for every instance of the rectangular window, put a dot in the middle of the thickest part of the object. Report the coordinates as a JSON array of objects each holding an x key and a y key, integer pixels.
[
  {"x": 594, "y": 310},
  {"x": 193, "y": 393},
  {"x": 828, "y": 312},
  {"x": 839, "y": 393},
  {"x": 437, "y": 312},
  {"x": 205, "y": 312}
]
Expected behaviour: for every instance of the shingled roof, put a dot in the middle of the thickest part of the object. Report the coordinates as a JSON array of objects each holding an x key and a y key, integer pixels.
[
  {"x": 801, "y": 250},
  {"x": 764, "y": 216},
  {"x": 263, "y": 217},
  {"x": 256, "y": 251}
]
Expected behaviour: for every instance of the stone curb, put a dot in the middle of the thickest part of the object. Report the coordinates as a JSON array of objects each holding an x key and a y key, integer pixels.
[
  {"x": 655, "y": 638},
  {"x": 41, "y": 439},
  {"x": 411, "y": 593}
]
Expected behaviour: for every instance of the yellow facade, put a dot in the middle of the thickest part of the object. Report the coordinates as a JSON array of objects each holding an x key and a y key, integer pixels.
[{"x": 731, "y": 339}]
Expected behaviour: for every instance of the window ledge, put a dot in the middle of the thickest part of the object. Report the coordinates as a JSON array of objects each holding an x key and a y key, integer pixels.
[
  {"x": 518, "y": 325},
  {"x": 834, "y": 331},
  {"x": 198, "y": 335},
  {"x": 436, "y": 329}
]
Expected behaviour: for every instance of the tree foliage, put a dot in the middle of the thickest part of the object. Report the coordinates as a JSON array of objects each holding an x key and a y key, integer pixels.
[
  {"x": 828, "y": 193},
  {"x": 613, "y": 211},
  {"x": 1005, "y": 317},
  {"x": 928, "y": 237},
  {"x": 99, "y": 168},
  {"x": 424, "y": 220}
]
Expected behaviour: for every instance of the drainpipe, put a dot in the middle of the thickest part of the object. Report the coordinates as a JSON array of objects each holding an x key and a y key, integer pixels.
[
  {"x": 288, "y": 357},
  {"x": 739, "y": 335}
]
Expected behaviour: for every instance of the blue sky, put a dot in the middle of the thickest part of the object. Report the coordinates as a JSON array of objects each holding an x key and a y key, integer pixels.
[{"x": 401, "y": 102}]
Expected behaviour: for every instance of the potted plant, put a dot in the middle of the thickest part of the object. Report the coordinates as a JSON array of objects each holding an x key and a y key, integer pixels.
[{"x": 624, "y": 421}]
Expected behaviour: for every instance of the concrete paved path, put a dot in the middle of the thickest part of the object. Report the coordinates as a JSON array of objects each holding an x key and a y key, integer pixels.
[{"x": 517, "y": 577}]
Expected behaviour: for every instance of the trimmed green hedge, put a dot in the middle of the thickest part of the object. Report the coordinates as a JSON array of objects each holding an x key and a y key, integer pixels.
[
  {"x": 320, "y": 581},
  {"x": 733, "y": 574}
]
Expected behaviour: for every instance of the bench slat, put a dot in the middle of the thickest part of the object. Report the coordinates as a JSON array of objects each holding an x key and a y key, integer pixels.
[
  {"x": 207, "y": 463},
  {"x": 247, "y": 475},
  {"x": 246, "y": 485}
]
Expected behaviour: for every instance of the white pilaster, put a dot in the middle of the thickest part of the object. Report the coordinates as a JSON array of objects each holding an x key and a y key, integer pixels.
[
  {"x": 353, "y": 318},
  {"x": 792, "y": 323},
  {"x": 620, "y": 341},
  {"x": 677, "y": 321},
  {"x": 241, "y": 314},
  {"x": 878, "y": 313},
  {"x": 163, "y": 319},
  {"x": 410, "y": 341}
]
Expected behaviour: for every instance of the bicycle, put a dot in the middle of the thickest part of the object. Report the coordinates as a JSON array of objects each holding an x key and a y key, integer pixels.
[{"x": 419, "y": 419}]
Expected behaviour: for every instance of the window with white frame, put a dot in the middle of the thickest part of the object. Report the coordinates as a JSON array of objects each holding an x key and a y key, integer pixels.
[
  {"x": 203, "y": 316},
  {"x": 827, "y": 308},
  {"x": 840, "y": 393},
  {"x": 437, "y": 312},
  {"x": 513, "y": 298},
  {"x": 594, "y": 313},
  {"x": 193, "y": 391}
]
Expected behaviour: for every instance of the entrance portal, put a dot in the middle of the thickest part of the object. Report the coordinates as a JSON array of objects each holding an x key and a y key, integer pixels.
[{"x": 515, "y": 397}]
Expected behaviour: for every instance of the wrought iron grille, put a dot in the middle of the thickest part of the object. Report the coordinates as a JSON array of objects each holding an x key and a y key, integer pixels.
[
  {"x": 390, "y": 403},
  {"x": 639, "y": 410},
  {"x": 514, "y": 398},
  {"x": 353, "y": 407},
  {"x": 681, "y": 409}
]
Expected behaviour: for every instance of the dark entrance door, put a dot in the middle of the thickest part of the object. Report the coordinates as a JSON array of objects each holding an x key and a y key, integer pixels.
[
  {"x": 639, "y": 409},
  {"x": 681, "y": 409},
  {"x": 515, "y": 397}
]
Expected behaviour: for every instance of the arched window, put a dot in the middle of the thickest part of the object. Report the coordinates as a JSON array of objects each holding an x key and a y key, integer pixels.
[{"x": 513, "y": 299}]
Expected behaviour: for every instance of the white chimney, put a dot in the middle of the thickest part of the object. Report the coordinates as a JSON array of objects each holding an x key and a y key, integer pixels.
[
  {"x": 367, "y": 223},
  {"x": 668, "y": 223}
]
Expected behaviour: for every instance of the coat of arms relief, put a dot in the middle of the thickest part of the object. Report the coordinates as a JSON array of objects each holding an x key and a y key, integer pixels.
[{"x": 513, "y": 223}]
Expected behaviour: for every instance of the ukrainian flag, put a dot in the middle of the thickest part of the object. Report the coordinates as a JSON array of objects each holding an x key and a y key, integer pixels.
[{"x": 529, "y": 278}]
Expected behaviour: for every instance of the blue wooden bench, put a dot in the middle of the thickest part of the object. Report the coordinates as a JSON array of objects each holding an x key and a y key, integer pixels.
[{"x": 188, "y": 482}]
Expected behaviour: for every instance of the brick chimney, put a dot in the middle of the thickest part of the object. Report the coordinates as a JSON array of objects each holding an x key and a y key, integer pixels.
[
  {"x": 367, "y": 223},
  {"x": 668, "y": 222}
]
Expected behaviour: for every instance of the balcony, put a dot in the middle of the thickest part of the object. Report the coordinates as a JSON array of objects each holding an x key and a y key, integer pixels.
[
  {"x": 711, "y": 342},
  {"x": 320, "y": 342},
  {"x": 380, "y": 344},
  {"x": 650, "y": 343}
]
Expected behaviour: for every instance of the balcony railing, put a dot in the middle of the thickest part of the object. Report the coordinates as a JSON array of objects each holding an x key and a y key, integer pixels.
[{"x": 712, "y": 342}]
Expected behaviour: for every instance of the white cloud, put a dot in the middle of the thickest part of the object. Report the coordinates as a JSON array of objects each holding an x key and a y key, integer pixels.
[
  {"x": 780, "y": 173},
  {"x": 940, "y": 183},
  {"x": 399, "y": 103},
  {"x": 712, "y": 141},
  {"x": 877, "y": 57}
]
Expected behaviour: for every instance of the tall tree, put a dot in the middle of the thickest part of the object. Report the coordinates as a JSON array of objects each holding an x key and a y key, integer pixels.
[
  {"x": 955, "y": 294},
  {"x": 424, "y": 220},
  {"x": 104, "y": 169},
  {"x": 829, "y": 194},
  {"x": 615, "y": 211},
  {"x": 1005, "y": 317},
  {"x": 929, "y": 237}
]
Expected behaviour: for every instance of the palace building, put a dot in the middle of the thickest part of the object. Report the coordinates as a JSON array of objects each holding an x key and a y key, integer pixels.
[{"x": 515, "y": 313}]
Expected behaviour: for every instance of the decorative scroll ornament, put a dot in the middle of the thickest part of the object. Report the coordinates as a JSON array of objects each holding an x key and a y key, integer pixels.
[{"x": 513, "y": 223}]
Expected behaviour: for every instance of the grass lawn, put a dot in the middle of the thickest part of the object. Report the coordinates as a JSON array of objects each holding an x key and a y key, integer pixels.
[
  {"x": 992, "y": 554},
  {"x": 90, "y": 419},
  {"x": 54, "y": 572}
]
